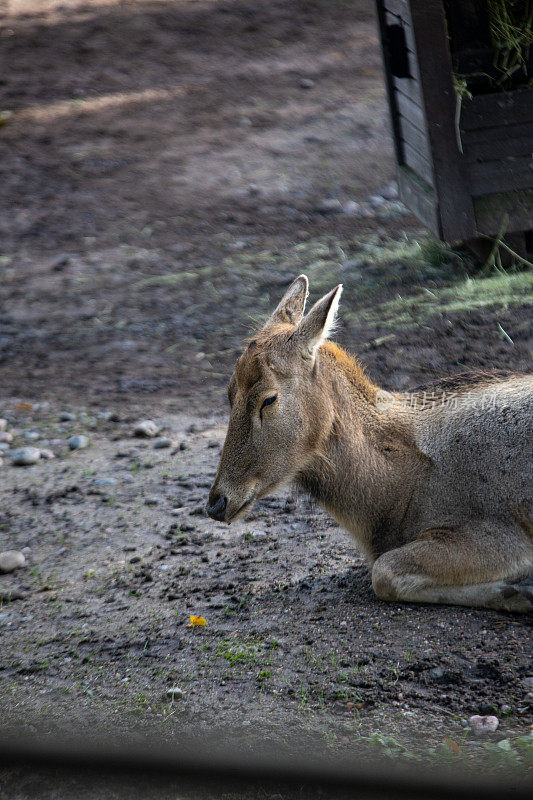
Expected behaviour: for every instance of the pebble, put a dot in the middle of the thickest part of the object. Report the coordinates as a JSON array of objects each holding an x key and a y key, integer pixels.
[
  {"x": 11, "y": 560},
  {"x": 152, "y": 501},
  {"x": 306, "y": 83},
  {"x": 175, "y": 693},
  {"x": 147, "y": 429},
  {"x": 6, "y": 437},
  {"x": 330, "y": 205},
  {"x": 351, "y": 207},
  {"x": 482, "y": 726},
  {"x": 258, "y": 536},
  {"x": 4, "y": 446},
  {"x": 25, "y": 456},
  {"x": 66, "y": 416},
  {"x": 528, "y": 699},
  {"x": 377, "y": 200},
  {"x": 105, "y": 482},
  {"x": 390, "y": 192},
  {"x": 31, "y": 436},
  {"x": 160, "y": 444},
  {"x": 528, "y": 682},
  {"x": 3, "y": 424},
  {"x": 78, "y": 442},
  {"x": 47, "y": 454}
]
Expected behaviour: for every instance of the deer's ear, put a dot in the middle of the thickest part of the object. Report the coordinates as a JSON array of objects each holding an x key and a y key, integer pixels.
[
  {"x": 292, "y": 305},
  {"x": 317, "y": 324}
]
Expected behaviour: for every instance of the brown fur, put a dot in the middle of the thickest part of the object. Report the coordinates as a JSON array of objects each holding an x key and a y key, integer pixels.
[{"x": 434, "y": 484}]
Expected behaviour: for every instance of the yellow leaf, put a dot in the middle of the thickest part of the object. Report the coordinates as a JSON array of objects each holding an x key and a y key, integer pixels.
[
  {"x": 454, "y": 747},
  {"x": 196, "y": 622}
]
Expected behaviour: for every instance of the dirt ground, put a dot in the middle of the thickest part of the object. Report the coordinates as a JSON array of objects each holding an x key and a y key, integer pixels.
[{"x": 166, "y": 169}]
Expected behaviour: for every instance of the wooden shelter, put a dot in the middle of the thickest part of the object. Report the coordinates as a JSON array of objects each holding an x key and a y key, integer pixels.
[{"x": 465, "y": 160}]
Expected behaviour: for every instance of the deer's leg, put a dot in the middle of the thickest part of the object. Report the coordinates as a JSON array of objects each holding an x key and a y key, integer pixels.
[{"x": 480, "y": 564}]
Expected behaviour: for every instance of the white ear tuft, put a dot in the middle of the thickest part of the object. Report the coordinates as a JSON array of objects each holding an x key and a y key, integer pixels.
[{"x": 317, "y": 325}]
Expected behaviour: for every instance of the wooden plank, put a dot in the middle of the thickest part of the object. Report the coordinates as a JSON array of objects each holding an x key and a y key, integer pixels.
[
  {"x": 420, "y": 198},
  {"x": 418, "y": 163},
  {"x": 439, "y": 103},
  {"x": 393, "y": 19},
  {"x": 503, "y": 147},
  {"x": 411, "y": 111},
  {"x": 414, "y": 137},
  {"x": 491, "y": 209},
  {"x": 380, "y": 12},
  {"x": 498, "y": 142},
  {"x": 487, "y": 177},
  {"x": 410, "y": 88},
  {"x": 502, "y": 108},
  {"x": 398, "y": 7}
]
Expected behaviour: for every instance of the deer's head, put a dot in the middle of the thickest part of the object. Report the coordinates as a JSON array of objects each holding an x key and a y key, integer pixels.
[{"x": 280, "y": 410}]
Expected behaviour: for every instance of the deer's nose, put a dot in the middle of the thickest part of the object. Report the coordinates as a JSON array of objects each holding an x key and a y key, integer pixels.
[{"x": 217, "y": 510}]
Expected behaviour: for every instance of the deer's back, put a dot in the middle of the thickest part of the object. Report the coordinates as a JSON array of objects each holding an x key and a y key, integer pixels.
[{"x": 480, "y": 441}]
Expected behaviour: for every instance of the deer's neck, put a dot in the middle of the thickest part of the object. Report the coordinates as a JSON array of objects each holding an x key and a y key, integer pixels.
[{"x": 365, "y": 470}]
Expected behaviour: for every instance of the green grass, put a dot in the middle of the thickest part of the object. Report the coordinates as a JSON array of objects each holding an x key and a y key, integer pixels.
[{"x": 500, "y": 290}]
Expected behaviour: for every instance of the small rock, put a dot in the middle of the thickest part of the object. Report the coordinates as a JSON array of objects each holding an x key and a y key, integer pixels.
[
  {"x": 528, "y": 682},
  {"x": 152, "y": 501},
  {"x": 147, "y": 429},
  {"x": 175, "y": 693},
  {"x": 105, "y": 482},
  {"x": 78, "y": 442},
  {"x": 47, "y": 454},
  {"x": 160, "y": 444},
  {"x": 6, "y": 437},
  {"x": 31, "y": 436},
  {"x": 390, "y": 192},
  {"x": 306, "y": 83},
  {"x": 351, "y": 207},
  {"x": 482, "y": 726},
  {"x": 376, "y": 200},
  {"x": 4, "y": 446},
  {"x": 528, "y": 699},
  {"x": 25, "y": 456},
  {"x": 258, "y": 536},
  {"x": 212, "y": 443},
  {"x": 67, "y": 416},
  {"x": 3, "y": 424},
  {"x": 330, "y": 205},
  {"x": 11, "y": 560}
]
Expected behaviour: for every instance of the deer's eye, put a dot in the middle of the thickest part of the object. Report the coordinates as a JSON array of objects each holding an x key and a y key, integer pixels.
[{"x": 268, "y": 402}]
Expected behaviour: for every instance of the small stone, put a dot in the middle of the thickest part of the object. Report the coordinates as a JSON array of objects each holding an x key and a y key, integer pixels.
[
  {"x": 31, "y": 436},
  {"x": 152, "y": 501},
  {"x": 175, "y": 693},
  {"x": 3, "y": 424},
  {"x": 376, "y": 200},
  {"x": 330, "y": 205},
  {"x": 47, "y": 454},
  {"x": 105, "y": 481},
  {"x": 306, "y": 83},
  {"x": 78, "y": 442},
  {"x": 258, "y": 536},
  {"x": 528, "y": 682},
  {"x": 6, "y": 437},
  {"x": 25, "y": 456},
  {"x": 160, "y": 444},
  {"x": 212, "y": 443},
  {"x": 11, "y": 560},
  {"x": 528, "y": 699},
  {"x": 351, "y": 207},
  {"x": 482, "y": 726},
  {"x": 390, "y": 192},
  {"x": 67, "y": 416},
  {"x": 147, "y": 429}
]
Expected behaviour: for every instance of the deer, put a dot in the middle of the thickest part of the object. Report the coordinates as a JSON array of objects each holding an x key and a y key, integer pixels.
[{"x": 434, "y": 485}]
